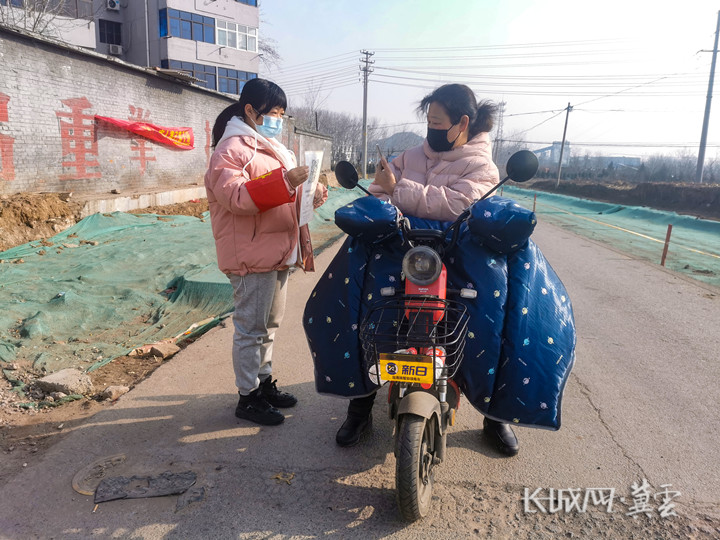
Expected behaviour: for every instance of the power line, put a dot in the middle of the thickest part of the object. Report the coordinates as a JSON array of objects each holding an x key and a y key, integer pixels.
[
  {"x": 508, "y": 46},
  {"x": 329, "y": 78},
  {"x": 427, "y": 67},
  {"x": 330, "y": 59},
  {"x": 615, "y": 144},
  {"x": 533, "y": 112},
  {"x": 541, "y": 123},
  {"x": 588, "y": 79},
  {"x": 521, "y": 92}
]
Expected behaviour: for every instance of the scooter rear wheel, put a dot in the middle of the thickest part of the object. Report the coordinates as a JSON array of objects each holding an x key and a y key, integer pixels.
[{"x": 413, "y": 466}]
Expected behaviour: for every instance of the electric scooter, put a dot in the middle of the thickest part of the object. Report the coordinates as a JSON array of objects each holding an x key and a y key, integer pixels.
[{"x": 414, "y": 339}]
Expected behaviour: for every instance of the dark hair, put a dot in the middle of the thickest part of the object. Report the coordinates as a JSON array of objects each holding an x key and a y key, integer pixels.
[
  {"x": 459, "y": 100},
  {"x": 262, "y": 94}
]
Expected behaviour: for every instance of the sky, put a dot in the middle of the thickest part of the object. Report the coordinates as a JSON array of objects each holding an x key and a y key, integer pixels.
[{"x": 635, "y": 72}]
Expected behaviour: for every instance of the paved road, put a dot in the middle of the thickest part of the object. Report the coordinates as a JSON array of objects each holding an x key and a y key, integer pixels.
[{"x": 641, "y": 403}]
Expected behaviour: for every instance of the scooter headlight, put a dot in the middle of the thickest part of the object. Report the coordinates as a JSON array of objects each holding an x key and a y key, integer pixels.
[{"x": 422, "y": 265}]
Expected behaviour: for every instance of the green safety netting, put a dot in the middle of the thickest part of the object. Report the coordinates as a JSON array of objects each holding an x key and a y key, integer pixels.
[
  {"x": 694, "y": 247},
  {"x": 115, "y": 282}
]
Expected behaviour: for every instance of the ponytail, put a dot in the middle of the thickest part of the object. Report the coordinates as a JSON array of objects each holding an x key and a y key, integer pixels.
[
  {"x": 223, "y": 118},
  {"x": 262, "y": 94},
  {"x": 484, "y": 119}
]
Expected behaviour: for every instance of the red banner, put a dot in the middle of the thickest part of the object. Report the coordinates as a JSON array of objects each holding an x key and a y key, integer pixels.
[{"x": 179, "y": 137}]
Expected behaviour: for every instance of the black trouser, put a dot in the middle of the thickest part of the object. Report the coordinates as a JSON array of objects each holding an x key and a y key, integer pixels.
[{"x": 361, "y": 407}]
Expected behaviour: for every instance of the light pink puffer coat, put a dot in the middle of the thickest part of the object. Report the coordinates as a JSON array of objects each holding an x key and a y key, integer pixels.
[
  {"x": 247, "y": 240},
  {"x": 440, "y": 185}
]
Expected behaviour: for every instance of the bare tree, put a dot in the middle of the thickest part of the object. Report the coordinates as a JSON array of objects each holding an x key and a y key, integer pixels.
[
  {"x": 45, "y": 17},
  {"x": 268, "y": 47},
  {"x": 269, "y": 54},
  {"x": 506, "y": 148},
  {"x": 303, "y": 118},
  {"x": 314, "y": 99},
  {"x": 345, "y": 130}
]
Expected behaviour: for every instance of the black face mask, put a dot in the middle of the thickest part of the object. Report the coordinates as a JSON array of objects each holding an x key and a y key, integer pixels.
[{"x": 438, "y": 141}]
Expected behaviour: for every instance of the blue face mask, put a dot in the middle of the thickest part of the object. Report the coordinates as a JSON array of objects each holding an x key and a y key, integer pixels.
[{"x": 271, "y": 127}]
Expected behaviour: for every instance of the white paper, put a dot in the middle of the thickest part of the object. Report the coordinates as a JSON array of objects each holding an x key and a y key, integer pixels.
[{"x": 313, "y": 159}]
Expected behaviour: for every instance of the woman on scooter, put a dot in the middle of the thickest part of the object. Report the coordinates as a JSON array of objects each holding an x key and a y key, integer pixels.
[
  {"x": 438, "y": 180},
  {"x": 253, "y": 187}
]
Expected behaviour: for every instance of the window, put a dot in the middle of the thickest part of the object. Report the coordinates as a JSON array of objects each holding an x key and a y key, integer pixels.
[
  {"x": 110, "y": 32},
  {"x": 186, "y": 25},
  {"x": 206, "y": 74},
  {"x": 231, "y": 81},
  {"x": 13, "y": 3},
  {"x": 248, "y": 2},
  {"x": 76, "y": 9},
  {"x": 237, "y": 36}
]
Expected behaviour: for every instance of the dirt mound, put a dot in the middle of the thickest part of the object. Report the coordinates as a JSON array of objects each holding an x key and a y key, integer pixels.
[
  {"x": 328, "y": 178},
  {"x": 700, "y": 200},
  {"x": 31, "y": 216},
  {"x": 27, "y": 217},
  {"x": 193, "y": 208}
]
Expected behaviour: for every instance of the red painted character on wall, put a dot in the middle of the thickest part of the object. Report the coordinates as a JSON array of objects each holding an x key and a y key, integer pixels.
[
  {"x": 140, "y": 144},
  {"x": 7, "y": 167},
  {"x": 79, "y": 144}
]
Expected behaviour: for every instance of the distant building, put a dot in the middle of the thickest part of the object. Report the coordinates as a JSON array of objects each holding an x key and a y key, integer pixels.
[
  {"x": 213, "y": 41},
  {"x": 550, "y": 155},
  {"x": 617, "y": 161}
]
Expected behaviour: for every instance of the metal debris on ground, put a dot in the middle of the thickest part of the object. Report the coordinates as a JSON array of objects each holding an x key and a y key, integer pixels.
[{"x": 284, "y": 477}]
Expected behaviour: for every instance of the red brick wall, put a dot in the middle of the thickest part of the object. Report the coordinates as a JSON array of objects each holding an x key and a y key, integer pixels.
[{"x": 50, "y": 140}]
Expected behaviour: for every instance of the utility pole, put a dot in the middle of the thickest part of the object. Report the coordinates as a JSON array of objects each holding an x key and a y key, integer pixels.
[
  {"x": 499, "y": 133},
  {"x": 708, "y": 101},
  {"x": 366, "y": 70},
  {"x": 562, "y": 145}
]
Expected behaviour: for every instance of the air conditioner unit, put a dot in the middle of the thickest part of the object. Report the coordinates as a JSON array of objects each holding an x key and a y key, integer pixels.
[
  {"x": 116, "y": 50},
  {"x": 113, "y": 5}
]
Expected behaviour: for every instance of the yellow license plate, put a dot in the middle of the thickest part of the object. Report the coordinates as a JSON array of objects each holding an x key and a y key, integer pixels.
[{"x": 410, "y": 368}]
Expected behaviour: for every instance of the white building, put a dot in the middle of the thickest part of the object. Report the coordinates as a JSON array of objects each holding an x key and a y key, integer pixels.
[{"x": 214, "y": 41}]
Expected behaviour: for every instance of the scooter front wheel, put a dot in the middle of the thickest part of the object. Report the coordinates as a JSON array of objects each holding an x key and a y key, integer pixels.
[{"x": 413, "y": 466}]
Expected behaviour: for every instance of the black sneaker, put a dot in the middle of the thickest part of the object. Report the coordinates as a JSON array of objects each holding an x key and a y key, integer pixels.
[
  {"x": 254, "y": 407},
  {"x": 275, "y": 397},
  {"x": 352, "y": 429},
  {"x": 501, "y": 435}
]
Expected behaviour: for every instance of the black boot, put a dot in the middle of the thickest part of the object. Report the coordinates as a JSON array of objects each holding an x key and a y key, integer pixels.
[
  {"x": 358, "y": 421},
  {"x": 502, "y": 436},
  {"x": 254, "y": 407},
  {"x": 351, "y": 430},
  {"x": 276, "y": 398}
]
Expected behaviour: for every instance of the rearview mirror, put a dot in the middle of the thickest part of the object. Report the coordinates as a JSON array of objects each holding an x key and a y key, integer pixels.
[
  {"x": 346, "y": 174},
  {"x": 522, "y": 166}
]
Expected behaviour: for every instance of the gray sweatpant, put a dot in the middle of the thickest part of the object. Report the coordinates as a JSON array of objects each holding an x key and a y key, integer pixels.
[{"x": 259, "y": 309}]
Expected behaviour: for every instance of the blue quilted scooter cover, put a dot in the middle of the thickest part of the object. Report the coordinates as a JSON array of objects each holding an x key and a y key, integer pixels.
[{"x": 520, "y": 344}]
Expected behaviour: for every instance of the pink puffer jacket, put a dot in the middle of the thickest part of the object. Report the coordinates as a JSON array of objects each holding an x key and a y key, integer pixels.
[
  {"x": 247, "y": 240},
  {"x": 440, "y": 185}
]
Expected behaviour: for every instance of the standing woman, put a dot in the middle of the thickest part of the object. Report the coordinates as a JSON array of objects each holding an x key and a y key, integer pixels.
[
  {"x": 438, "y": 180},
  {"x": 253, "y": 188}
]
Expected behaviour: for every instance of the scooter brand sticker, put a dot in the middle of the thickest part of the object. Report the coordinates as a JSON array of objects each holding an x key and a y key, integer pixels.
[{"x": 411, "y": 368}]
